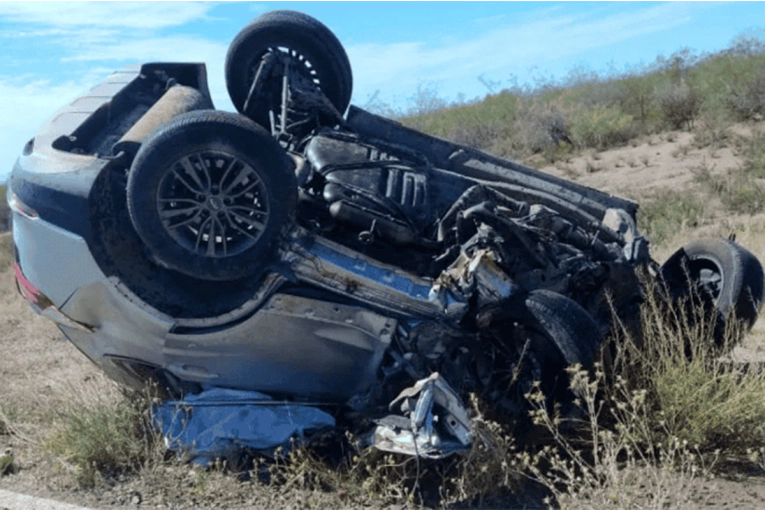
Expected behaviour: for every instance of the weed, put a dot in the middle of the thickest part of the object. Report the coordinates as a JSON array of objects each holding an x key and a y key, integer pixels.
[
  {"x": 105, "y": 441},
  {"x": 743, "y": 195},
  {"x": 668, "y": 213},
  {"x": 6, "y": 251},
  {"x": 754, "y": 155},
  {"x": 599, "y": 126},
  {"x": 714, "y": 124},
  {"x": 661, "y": 421},
  {"x": 5, "y": 422},
  {"x": 738, "y": 190},
  {"x": 690, "y": 395}
]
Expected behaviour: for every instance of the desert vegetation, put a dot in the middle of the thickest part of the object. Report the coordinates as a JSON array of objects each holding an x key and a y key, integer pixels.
[
  {"x": 663, "y": 415},
  {"x": 554, "y": 119}
]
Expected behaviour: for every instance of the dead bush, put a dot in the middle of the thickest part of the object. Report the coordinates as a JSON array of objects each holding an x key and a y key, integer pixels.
[
  {"x": 543, "y": 127},
  {"x": 680, "y": 106}
]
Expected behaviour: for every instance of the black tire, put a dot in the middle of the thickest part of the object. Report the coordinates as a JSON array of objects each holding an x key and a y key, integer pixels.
[
  {"x": 723, "y": 274},
  {"x": 209, "y": 193},
  {"x": 312, "y": 41},
  {"x": 563, "y": 334}
]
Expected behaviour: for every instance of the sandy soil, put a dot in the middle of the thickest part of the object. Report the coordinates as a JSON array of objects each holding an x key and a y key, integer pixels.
[{"x": 43, "y": 375}]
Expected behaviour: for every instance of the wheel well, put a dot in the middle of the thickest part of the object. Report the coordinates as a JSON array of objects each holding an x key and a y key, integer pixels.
[{"x": 120, "y": 253}]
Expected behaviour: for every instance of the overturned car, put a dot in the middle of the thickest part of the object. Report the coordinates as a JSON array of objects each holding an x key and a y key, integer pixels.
[{"x": 319, "y": 254}]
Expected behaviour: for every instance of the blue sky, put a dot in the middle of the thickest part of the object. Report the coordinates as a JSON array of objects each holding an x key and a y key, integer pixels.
[{"x": 53, "y": 52}]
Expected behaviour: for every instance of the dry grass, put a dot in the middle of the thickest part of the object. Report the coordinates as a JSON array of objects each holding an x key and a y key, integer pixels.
[
  {"x": 101, "y": 441},
  {"x": 6, "y": 251}
]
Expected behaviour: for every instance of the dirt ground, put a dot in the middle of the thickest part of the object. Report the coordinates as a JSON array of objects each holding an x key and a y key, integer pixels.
[{"x": 42, "y": 375}]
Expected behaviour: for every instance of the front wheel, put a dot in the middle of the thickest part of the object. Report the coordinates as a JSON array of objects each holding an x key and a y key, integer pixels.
[
  {"x": 560, "y": 334},
  {"x": 725, "y": 276},
  {"x": 209, "y": 193}
]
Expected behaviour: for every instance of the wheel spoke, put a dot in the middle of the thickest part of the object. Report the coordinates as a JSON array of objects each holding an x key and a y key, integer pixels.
[
  {"x": 226, "y": 172},
  {"x": 249, "y": 221},
  {"x": 239, "y": 229},
  {"x": 188, "y": 166},
  {"x": 210, "y": 238},
  {"x": 241, "y": 178},
  {"x": 247, "y": 188},
  {"x": 222, "y": 229},
  {"x": 182, "y": 180},
  {"x": 246, "y": 209},
  {"x": 178, "y": 200},
  {"x": 200, "y": 233},
  {"x": 172, "y": 213},
  {"x": 184, "y": 222},
  {"x": 205, "y": 171}
]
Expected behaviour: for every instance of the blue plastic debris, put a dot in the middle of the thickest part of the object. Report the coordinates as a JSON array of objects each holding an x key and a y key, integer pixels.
[{"x": 218, "y": 423}]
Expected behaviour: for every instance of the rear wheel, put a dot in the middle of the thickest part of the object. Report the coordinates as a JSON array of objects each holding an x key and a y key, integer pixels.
[
  {"x": 321, "y": 57},
  {"x": 209, "y": 193}
]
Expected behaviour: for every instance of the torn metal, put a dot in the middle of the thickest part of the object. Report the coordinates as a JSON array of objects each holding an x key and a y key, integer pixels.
[{"x": 432, "y": 422}]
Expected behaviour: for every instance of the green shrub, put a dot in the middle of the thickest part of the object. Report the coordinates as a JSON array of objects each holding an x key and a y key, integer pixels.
[
  {"x": 105, "y": 441},
  {"x": 754, "y": 156},
  {"x": 743, "y": 195},
  {"x": 542, "y": 126},
  {"x": 739, "y": 191},
  {"x": 663, "y": 216},
  {"x": 663, "y": 417},
  {"x": 714, "y": 123},
  {"x": 680, "y": 105},
  {"x": 692, "y": 395},
  {"x": 637, "y": 97},
  {"x": 600, "y": 126},
  {"x": 482, "y": 125}
]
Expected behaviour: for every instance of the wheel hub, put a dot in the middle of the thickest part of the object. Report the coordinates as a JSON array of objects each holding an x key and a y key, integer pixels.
[{"x": 213, "y": 204}]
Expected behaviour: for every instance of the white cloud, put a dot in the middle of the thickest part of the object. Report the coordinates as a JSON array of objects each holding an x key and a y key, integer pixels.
[
  {"x": 26, "y": 104},
  {"x": 168, "y": 49},
  {"x": 172, "y": 48},
  {"x": 135, "y": 15}
]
